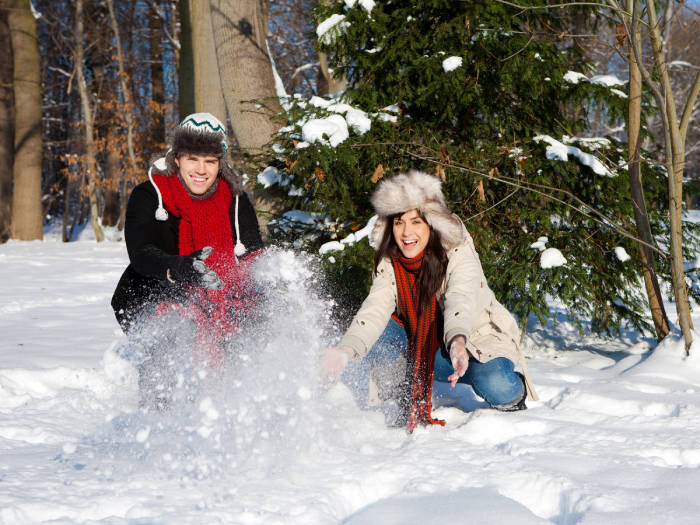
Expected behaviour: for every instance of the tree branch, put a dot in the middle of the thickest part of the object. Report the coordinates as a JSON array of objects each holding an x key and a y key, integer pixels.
[{"x": 689, "y": 106}]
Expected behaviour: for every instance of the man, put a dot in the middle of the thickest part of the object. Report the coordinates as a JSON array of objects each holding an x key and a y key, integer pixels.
[{"x": 191, "y": 234}]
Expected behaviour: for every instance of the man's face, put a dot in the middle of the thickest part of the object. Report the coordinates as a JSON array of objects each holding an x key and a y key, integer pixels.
[{"x": 198, "y": 171}]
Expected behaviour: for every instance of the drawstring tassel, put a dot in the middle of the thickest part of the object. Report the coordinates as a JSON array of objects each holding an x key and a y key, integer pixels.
[
  {"x": 161, "y": 213},
  {"x": 240, "y": 248}
]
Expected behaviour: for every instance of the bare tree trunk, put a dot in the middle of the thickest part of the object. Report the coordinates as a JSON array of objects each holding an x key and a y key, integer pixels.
[
  {"x": 208, "y": 96},
  {"x": 240, "y": 29},
  {"x": 185, "y": 70},
  {"x": 26, "y": 168},
  {"x": 333, "y": 83},
  {"x": 675, "y": 133},
  {"x": 157, "y": 135},
  {"x": 651, "y": 282},
  {"x": 7, "y": 149},
  {"x": 328, "y": 82},
  {"x": 111, "y": 213},
  {"x": 128, "y": 110},
  {"x": 89, "y": 120}
]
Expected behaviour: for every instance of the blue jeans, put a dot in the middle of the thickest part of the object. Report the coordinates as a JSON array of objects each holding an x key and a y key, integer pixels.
[{"x": 495, "y": 380}]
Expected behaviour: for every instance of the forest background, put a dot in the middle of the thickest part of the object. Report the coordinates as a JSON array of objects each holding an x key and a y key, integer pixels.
[{"x": 566, "y": 133}]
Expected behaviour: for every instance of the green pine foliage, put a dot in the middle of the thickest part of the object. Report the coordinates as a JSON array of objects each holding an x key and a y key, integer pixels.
[{"x": 477, "y": 127}]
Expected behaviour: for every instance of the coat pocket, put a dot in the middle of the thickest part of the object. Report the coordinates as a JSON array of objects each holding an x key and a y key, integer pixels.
[{"x": 488, "y": 342}]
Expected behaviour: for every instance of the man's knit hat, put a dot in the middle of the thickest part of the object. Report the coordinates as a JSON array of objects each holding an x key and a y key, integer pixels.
[
  {"x": 200, "y": 134},
  {"x": 420, "y": 191}
]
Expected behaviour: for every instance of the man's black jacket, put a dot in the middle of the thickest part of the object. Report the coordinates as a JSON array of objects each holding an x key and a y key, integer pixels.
[{"x": 153, "y": 247}]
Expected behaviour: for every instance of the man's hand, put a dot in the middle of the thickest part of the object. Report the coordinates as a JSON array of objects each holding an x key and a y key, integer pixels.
[
  {"x": 459, "y": 358},
  {"x": 191, "y": 269},
  {"x": 333, "y": 362}
]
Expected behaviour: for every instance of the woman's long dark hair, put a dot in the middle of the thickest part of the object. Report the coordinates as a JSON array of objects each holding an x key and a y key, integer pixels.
[{"x": 433, "y": 269}]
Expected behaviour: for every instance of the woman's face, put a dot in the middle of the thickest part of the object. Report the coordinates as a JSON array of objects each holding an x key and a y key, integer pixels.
[
  {"x": 411, "y": 233},
  {"x": 198, "y": 171}
]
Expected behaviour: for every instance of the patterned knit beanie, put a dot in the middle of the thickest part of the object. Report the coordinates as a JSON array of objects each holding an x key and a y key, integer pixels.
[{"x": 200, "y": 134}]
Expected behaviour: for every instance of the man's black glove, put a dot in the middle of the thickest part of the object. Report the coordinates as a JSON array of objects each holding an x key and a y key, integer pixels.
[{"x": 191, "y": 269}]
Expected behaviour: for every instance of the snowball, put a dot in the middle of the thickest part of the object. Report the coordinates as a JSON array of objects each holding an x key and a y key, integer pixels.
[
  {"x": 621, "y": 254},
  {"x": 451, "y": 63},
  {"x": 331, "y": 130},
  {"x": 551, "y": 258}
]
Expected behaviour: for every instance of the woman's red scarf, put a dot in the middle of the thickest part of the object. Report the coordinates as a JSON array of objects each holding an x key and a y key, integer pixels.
[
  {"x": 423, "y": 341},
  {"x": 206, "y": 222}
]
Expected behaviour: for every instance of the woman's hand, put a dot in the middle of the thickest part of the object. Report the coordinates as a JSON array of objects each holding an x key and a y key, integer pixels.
[
  {"x": 459, "y": 358},
  {"x": 333, "y": 362}
]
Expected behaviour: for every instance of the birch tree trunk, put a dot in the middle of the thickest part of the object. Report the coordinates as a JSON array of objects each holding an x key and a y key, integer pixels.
[
  {"x": 26, "y": 167},
  {"x": 7, "y": 149},
  {"x": 651, "y": 282},
  {"x": 208, "y": 95},
  {"x": 331, "y": 83},
  {"x": 675, "y": 131},
  {"x": 240, "y": 29},
  {"x": 89, "y": 121}
]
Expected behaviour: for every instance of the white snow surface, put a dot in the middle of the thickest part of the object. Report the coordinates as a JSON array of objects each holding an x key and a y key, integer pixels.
[{"x": 615, "y": 437}]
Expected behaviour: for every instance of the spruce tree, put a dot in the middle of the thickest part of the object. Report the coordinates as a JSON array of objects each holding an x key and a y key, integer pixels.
[{"x": 473, "y": 93}]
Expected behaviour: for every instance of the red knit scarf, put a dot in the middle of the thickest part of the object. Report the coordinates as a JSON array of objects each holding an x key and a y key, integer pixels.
[
  {"x": 423, "y": 341},
  {"x": 206, "y": 222}
]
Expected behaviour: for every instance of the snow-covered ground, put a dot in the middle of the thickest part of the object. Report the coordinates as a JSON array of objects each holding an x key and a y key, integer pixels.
[{"x": 614, "y": 439}]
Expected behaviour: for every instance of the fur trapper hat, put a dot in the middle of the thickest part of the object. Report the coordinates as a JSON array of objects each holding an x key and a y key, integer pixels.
[{"x": 421, "y": 191}]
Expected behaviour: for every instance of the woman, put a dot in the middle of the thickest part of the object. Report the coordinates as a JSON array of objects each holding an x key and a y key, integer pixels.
[
  {"x": 427, "y": 271},
  {"x": 191, "y": 233}
]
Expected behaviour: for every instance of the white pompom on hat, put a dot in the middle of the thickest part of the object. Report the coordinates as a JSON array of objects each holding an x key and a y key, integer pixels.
[{"x": 420, "y": 191}]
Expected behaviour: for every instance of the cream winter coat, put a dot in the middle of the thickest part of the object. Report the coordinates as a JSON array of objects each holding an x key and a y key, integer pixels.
[{"x": 469, "y": 308}]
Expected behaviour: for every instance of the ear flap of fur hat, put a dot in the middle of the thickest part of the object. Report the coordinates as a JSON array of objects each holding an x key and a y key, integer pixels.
[{"x": 421, "y": 191}]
